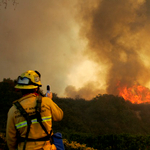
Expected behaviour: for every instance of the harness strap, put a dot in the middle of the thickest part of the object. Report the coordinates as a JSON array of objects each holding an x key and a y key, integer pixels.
[
  {"x": 38, "y": 110},
  {"x": 27, "y": 117},
  {"x": 23, "y": 112},
  {"x": 22, "y": 139}
]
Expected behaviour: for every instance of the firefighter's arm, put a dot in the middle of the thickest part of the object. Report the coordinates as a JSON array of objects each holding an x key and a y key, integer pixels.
[
  {"x": 57, "y": 113},
  {"x": 11, "y": 136}
]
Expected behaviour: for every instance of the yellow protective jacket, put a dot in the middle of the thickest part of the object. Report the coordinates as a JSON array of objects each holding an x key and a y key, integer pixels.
[{"x": 16, "y": 124}]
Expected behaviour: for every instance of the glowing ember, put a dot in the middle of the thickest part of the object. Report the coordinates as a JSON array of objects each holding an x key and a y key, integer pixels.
[{"x": 136, "y": 94}]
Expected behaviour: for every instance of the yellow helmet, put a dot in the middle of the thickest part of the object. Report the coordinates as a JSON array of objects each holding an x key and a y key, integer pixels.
[{"x": 29, "y": 80}]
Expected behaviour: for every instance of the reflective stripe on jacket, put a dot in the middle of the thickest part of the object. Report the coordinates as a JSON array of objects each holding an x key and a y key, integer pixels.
[
  {"x": 24, "y": 123},
  {"x": 17, "y": 124}
]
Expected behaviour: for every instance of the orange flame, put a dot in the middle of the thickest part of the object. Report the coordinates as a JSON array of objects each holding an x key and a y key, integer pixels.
[{"x": 136, "y": 94}]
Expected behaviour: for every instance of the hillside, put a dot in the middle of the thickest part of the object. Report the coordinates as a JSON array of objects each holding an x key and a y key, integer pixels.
[{"x": 105, "y": 114}]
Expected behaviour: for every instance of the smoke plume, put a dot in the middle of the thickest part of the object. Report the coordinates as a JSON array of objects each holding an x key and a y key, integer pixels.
[{"x": 118, "y": 36}]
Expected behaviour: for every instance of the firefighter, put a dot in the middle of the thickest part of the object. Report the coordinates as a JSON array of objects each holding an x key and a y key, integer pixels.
[{"x": 17, "y": 126}]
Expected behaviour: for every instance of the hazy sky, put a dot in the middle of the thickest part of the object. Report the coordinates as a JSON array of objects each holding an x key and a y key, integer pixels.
[{"x": 80, "y": 47}]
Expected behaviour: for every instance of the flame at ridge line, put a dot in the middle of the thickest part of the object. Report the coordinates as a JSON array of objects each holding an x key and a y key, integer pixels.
[{"x": 136, "y": 94}]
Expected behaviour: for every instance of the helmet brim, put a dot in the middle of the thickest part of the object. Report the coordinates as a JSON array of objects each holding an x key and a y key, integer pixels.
[{"x": 18, "y": 86}]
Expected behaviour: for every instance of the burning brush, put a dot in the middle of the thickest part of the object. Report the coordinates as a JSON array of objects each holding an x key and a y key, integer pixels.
[{"x": 136, "y": 94}]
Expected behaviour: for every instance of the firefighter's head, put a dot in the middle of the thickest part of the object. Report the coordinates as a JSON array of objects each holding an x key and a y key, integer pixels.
[{"x": 29, "y": 80}]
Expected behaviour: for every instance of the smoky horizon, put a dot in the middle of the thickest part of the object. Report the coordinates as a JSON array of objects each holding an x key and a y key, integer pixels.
[{"x": 80, "y": 48}]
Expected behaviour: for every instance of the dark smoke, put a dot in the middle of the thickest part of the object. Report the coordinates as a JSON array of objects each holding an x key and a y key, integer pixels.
[{"x": 117, "y": 32}]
